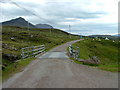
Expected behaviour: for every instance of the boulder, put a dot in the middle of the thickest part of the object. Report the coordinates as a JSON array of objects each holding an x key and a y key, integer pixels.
[{"x": 93, "y": 60}]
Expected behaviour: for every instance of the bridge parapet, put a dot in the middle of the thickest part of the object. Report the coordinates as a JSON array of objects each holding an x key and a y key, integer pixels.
[{"x": 32, "y": 51}]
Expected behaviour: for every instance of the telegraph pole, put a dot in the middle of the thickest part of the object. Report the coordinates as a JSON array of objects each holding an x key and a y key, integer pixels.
[
  {"x": 28, "y": 33},
  {"x": 50, "y": 30},
  {"x": 28, "y": 26},
  {"x": 70, "y": 31}
]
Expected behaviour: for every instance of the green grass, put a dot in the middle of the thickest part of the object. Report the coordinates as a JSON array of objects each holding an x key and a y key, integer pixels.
[
  {"x": 15, "y": 67},
  {"x": 105, "y": 50},
  {"x": 33, "y": 37},
  {"x": 112, "y": 68}
]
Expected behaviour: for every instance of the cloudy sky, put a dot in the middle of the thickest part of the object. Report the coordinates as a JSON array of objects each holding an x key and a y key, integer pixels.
[{"x": 86, "y": 17}]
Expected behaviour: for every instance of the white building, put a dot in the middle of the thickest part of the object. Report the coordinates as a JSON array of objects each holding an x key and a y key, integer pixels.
[{"x": 106, "y": 38}]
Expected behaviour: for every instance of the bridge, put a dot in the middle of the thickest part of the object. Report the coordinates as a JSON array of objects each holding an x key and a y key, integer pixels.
[{"x": 54, "y": 69}]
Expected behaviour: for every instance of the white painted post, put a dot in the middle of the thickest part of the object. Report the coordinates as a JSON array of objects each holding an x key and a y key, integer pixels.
[{"x": 33, "y": 51}]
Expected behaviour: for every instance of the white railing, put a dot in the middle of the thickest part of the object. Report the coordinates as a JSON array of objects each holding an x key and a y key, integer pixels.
[
  {"x": 74, "y": 52},
  {"x": 32, "y": 51}
]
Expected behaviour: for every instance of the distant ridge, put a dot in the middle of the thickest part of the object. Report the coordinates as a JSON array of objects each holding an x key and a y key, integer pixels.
[
  {"x": 104, "y": 36},
  {"x": 118, "y": 35},
  {"x": 21, "y": 22},
  {"x": 43, "y": 26}
]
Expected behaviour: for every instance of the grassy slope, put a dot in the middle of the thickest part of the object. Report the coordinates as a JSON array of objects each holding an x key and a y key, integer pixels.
[
  {"x": 15, "y": 67},
  {"x": 106, "y": 51},
  {"x": 23, "y": 39}
]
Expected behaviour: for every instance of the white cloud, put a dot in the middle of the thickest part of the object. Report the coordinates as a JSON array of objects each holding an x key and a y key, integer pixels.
[{"x": 81, "y": 14}]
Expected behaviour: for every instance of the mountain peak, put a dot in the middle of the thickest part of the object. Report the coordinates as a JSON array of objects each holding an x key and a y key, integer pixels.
[
  {"x": 20, "y": 18},
  {"x": 21, "y": 22}
]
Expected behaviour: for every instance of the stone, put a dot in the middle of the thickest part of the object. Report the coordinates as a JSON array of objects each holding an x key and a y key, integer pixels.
[{"x": 93, "y": 60}]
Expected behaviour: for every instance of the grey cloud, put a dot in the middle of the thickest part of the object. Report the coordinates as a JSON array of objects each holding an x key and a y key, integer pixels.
[
  {"x": 93, "y": 28},
  {"x": 70, "y": 10},
  {"x": 55, "y": 12},
  {"x": 58, "y": 12},
  {"x": 15, "y": 12}
]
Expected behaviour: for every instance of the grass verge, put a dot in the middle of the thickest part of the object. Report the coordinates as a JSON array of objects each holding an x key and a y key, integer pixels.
[
  {"x": 15, "y": 67},
  {"x": 105, "y": 50}
]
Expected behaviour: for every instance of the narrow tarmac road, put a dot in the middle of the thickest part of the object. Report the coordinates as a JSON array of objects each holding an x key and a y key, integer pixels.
[{"x": 54, "y": 69}]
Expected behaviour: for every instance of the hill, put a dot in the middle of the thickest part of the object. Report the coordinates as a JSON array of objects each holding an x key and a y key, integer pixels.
[
  {"x": 21, "y": 22},
  {"x": 43, "y": 26}
]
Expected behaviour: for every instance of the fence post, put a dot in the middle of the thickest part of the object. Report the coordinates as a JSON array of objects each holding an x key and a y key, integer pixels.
[
  {"x": 74, "y": 53},
  {"x": 70, "y": 50},
  {"x": 22, "y": 53},
  {"x": 38, "y": 48},
  {"x": 77, "y": 52},
  {"x": 44, "y": 48},
  {"x": 33, "y": 51}
]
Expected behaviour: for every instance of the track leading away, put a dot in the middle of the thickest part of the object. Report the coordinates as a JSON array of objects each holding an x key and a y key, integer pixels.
[{"x": 54, "y": 69}]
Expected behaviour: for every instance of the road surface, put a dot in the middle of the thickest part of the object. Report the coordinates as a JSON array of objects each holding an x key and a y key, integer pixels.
[{"x": 54, "y": 69}]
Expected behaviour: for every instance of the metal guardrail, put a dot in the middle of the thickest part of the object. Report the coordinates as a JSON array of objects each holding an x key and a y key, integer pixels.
[
  {"x": 74, "y": 52},
  {"x": 32, "y": 51}
]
